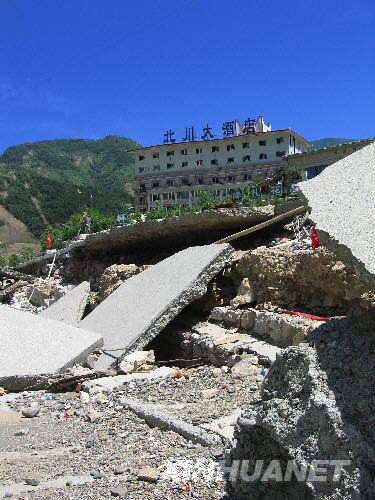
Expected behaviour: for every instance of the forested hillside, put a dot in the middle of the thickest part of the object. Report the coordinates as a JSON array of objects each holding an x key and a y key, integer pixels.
[{"x": 45, "y": 182}]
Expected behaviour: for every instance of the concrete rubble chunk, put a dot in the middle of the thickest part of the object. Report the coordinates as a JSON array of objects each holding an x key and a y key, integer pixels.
[
  {"x": 209, "y": 333},
  {"x": 163, "y": 420},
  {"x": 141, "y": 307},
  {"x": 70, "y": 308},
  {"x": 110, "y": 383},
  {"x": 34, "y": 348},
  {"x": 342, "y": 207}
]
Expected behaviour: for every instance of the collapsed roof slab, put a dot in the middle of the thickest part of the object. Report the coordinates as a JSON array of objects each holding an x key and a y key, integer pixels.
[
  {"x": 34, "y": 348},
  {"x": 70, "y": 307},
  {"x": 342, "y": 203},
  {"x": 141, "y": 307}
]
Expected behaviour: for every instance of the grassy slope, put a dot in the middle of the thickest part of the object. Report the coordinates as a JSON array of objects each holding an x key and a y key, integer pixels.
[{"x": 61, "y": 175}]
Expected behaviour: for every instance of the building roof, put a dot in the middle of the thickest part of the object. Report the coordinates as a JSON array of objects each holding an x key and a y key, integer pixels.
[
  {"x": 330, "y": 148},
  {"x": 221, "y": 139}
]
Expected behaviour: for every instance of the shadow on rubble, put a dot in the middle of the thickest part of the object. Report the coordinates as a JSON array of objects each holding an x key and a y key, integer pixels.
[{"x": 346, "y": 353}]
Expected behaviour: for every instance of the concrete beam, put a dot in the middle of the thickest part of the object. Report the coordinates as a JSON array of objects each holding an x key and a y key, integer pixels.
[{"x": 156, "y": 418}]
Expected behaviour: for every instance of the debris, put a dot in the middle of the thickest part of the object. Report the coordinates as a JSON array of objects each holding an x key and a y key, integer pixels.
[
  {"x": 31, "y": 412},
  {"x": 32, "y": 482},
  {"x": 184, "y": 277},
  {"x": 163, "y": 420},
  {"x": 92, "y": 415},
  {"x": 70, "y": 308},
  {"x": 111, "y": 383},
  {"x": 341, "y": 199},
  {"x": 227, "y": 339},
  {"x": 209, "y": 393},
  {"x": 136, "y": 361},
  {"x": 148, "y": 474},
  {"x": 35, "y": 348},
  {"x": 114, "y": 276}
]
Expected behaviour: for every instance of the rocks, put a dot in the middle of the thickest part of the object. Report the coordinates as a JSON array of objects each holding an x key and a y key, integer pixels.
[
  {"x": 119, "y": 492},
  {"x": 289, "y": 279},
  {"x": 148, "y": 474},
  {"x": 114, "y": 276},
  {"x": 92, "y": 415},
  {"x": 317, "y": 404},
  {"x": 32, "y": 482},
  {"x": 160, "y": 293},
  {"x": 209, "y": 393},
  {"x": 35, "y": 348},
  {"x": 31, "y": 412},
  {"x": 137, "y": 361}
]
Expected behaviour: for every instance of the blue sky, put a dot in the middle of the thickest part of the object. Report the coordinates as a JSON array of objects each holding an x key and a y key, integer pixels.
[{"x": 89, "y": 68}]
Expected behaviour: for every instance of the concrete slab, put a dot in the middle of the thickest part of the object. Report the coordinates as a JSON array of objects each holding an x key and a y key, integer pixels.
[
  {"x": 142, "y": 306},
  {"x": 210, "y": 332},
  {"x": 224, "y": 426},
  {"x": 110, "y": 383},
  {"x": 342, "y": 205},
  {"x": 34, "y": 348},
  {"x": 70, "y": 307}
]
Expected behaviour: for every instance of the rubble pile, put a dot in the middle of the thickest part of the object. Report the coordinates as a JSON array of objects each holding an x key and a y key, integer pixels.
[{"x": 212, "y": 373}]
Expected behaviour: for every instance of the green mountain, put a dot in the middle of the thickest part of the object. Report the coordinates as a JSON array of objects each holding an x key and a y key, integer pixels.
[
  {"x": 328, "y": 142},
  {"x": 45, "y": 182}
]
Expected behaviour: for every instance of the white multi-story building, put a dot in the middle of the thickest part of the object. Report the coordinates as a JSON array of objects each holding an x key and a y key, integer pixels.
[{"x": 174, "y": 173}]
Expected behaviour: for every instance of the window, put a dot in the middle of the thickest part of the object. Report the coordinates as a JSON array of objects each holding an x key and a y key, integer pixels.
[
  {"x": 168, "y": 196},
  {"x": 245, "y": 145},
  {"x": 141, "y": 200},
  {"x": 199, "y": 163},
  {"x": 280, "y": 153},
  {"x": 198, "y": 151},
  {"x": 231, "y": 178},
  {"x": 184, "y": 182},
  {"x": 170, "y": 153},
  {"x": 215, "y": 180},
  {"x": 170, "y": 182},
  {"x": 185, "y": 163},
  {"x": 199, "y": 180},
  {"x": 182, "y": 194},
  {"x": 230, "y": 147},
  {"x": 246, "y": 158},
  {"x": 155, "y": 197},
  {"x": 215, "y": 149},
  {"x": 141, "y": 169},
  {"x": 214, "y": 162},
  {"x": 263, "y": 156},
  {"x": 155, "y": 155},
  {"x": 142, "y": 188},
  {"x": 155, "y": 184},
  {"x": 279, "y": 140},
  {"x": 184, "y": 151},
  {"x": 263, "y": 143},
  {"x": 231, "y": 160},
  {"x": 170, "y": 165},
  {"x": 156, "y": 167},
  {"x": 247, "y": 177},
  {"x": 141, "y": 157}
]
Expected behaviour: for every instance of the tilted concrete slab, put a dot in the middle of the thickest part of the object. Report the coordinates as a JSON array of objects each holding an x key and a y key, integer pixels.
[
  {"x": 70, "y": 307},
  {"x": 142, "y": 306},
  {"x": 34, "y": 348},
  {"x": 342, "y": 202}
]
